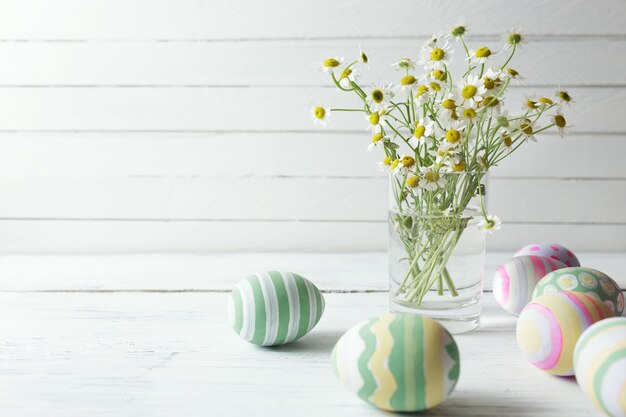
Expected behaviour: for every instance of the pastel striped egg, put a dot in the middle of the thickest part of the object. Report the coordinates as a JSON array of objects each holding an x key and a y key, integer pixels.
[
  {"x": 600, "y": 365},
  {"x": 273, "y": 308},
  {"x": 550, "y": 250},
  {"x": 515, "y": 280},
  {"x": 587, "y": 280},
  {"x": 398, "y": 362},
  {"x": 550, "y": 325}
]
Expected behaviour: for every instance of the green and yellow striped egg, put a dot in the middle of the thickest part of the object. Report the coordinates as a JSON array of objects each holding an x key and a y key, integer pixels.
[
  {"x": 398, "y": 362},
  {"x": 600, "y": 365},
  {"x": 587, "y": 280},
  {"x": 274, "y": 308}
]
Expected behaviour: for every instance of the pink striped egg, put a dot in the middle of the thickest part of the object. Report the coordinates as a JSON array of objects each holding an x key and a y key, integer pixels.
[
  {"x": 515, "y": 280},
  {"x": 550, "y": 250},
  {"x": 549, "y": 327}
]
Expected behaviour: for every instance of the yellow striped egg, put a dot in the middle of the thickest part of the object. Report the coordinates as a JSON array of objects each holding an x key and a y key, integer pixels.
[
  {"x": 398, "y": 362},
  {"x": 600, "y": 365},
  {"x": 273, "y": 308},
  {"x": 550, "y": 325}
]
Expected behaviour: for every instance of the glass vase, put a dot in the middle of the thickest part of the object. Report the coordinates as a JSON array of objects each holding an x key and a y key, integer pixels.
[{"x": 436, "y": 248}]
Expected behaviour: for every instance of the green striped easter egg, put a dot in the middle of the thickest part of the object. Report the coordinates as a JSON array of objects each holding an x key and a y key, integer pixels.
[
  {"x": 398, "y": 362},
  {"x": 600, "y": 365},
  {"x": 273, "y": 308}
]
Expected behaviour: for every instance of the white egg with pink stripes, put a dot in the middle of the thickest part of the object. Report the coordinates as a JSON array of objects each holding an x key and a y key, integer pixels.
[
  {"x": 550, "y": 250},
  {"x": 515, "y": 280}
]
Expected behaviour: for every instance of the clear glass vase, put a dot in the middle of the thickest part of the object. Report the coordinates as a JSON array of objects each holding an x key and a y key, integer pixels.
[{"x": 436, "y": 249}]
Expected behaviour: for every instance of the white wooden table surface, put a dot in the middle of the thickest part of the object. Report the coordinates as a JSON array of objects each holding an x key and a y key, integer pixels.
[{"x": 147, "y": 335}]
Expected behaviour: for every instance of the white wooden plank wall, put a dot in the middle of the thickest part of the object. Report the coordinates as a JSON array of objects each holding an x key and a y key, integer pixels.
[{"x": 182, "y": 125}]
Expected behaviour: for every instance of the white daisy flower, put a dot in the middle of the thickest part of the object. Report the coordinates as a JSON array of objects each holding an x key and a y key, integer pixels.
[
  {"x": 404, "y": 64},
  {"x": 472, "y": 90},
  {"x": 348, "y": 75},
  {"x": 514, "y": 37},
  {"x": 563, "y": 96},
  {"x": 530, "y": 103},
  {"x": 431, "y": 179},
  {"x": 468, "y": 114},
  {"x": 481, "y": 55},
  {"x": 330, "y": 64},
  {"x": 422, "y": 94},
  {"x": 421, "y": 133},
  {"x": 458, "y": 30},
  {"x": 320, "y": 115},
  {"x": 384, "y": 164},
  {"x": 446, "y": 154},
  {"x": 453, "y": 132},
  {"x": 489, "y": 224},
  {"x": 514, "y": 75},
  {"x": 561, "y": 124},
  {"x": 436, "y": 53},
  {"x": 527, "y": 128},
  {"x": 378, "y": 99},
  {"x": 407, "y": 85},
  {"x": 377, "y": 141},
  {"x": 363, "y": 58},
  {"x": 506, "y": 141},
  {"x": 404, "y": 164},
  {"x": 376, "y": 119},
  {"x": 492, "y": 80}
]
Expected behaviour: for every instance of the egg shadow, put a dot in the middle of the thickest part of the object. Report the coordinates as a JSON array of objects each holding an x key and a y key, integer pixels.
[
  {"x": 484, "y": 404},
  {"x": 316, "y": 342}
]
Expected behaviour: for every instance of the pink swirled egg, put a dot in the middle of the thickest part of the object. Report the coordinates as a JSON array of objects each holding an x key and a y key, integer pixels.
[
  {"x": 550, "y": 250},
  {"x": 515, "y": 280},
  {"x": 549, "y": 327}
]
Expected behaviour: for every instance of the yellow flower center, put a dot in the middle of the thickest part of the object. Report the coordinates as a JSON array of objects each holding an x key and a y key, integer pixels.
[
  {"x": 448, "y": 104},
  {"x": 377, "y": 96},
  {"x": 421, "y": 90},
  {"x": 468, "y": 91},
  {"x": 387, "y": 161},
  {"x": 545, "y": 100},
  {"x": 469, "y": 113},
  {"x": 507, "y": 141},
  {"x": 564, "y": 95},
  {"x": 345, "y": 73},
  {"x": 458, "y": 31},
  {"x": 490, "y": 101},
  {"x": 419, "y": 131},
  {"x": 483, "y": 52},
  {"x": 374, "y": 118},
  {"x": 437, "y": 54},
  {"x": 453, "y": 136},
  {"x": 407, "y": 161},
  {"x": 412, "y": 182},
  {"x": 489, "y": 83},
  {"x": 460, "y": 167},
  {"x": 331, "y": 63},
  {"x": 514, "y": 38},
  {"x": 559, "y": 120},
  {"x": 439, "y": 75},
  {"x": 431, "y": 176},
  {"x": 513, "y": 73},
  {"x": 526, "y": 127},
  {"x": 435, "y": 86},
  {"x": 319, "y": 112},
  {"x": 394, "y": 163},
  {"x": 531, "y": 104},
  {"x": 407, "y": 80},
  {"x": 377, "y": 137}
]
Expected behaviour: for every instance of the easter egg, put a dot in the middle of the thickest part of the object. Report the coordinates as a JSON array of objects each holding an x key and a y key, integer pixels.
[
  {"x": 587, "y": 280},
  {"x": 515, "y": 280},
  {"x": 600, "y": 365},
  {"x": 398, "y": 362},
  {"x": 550, "y": 325},
  {"x": 273, "y": 308},
  {"x": 550, "y": 250}
]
